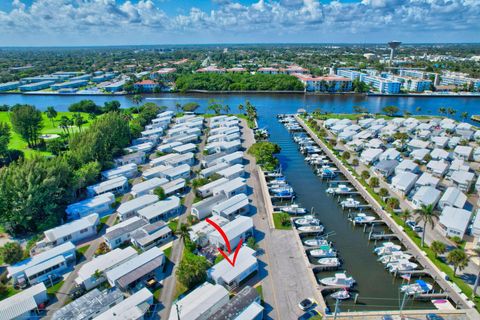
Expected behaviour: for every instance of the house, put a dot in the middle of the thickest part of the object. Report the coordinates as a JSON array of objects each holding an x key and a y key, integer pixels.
[
  {"x": 87, "y": 275},
  {"x": 246, "y": 304},
  {"x": 453, "y": 142},
  {"x": 207, "y": 172},
  {"x": 174, "y": 186},
  {"x": 440, "y": 154},
  {"x": 453, "y": 197},
  {"x": 89, "y": 305},
  {"x": 232, "y": 172},
  {"x": 147, "y": 187},
  {"x": 128, "y": 170},
  {"x": 365, "y": 123},
  {"x": 453, "y": 221},
  {"x": 230, "y": 159},
  {"x": 419, "y": 155},
  {"x": 404, "y": 182},
  {"x": 463, "y": 152},
  {"x": 182, "y": 171},
  {"x": 161, "y": 210},
  {"x": 210, "y": 160},
  {"x": 199, "y": 233},
  {"x": 150, "y": 235},
  {"x": 463, "y": 180},
  {"x": 407, "y": 165},
  {"x": 117, "y": 185},
  {"x": 427, "y": 179},
  {"x": 174, "y": 159},
  {"x": 417, "y": 144},
  {"x": 390, "y": 154},
  {"x": 223, "y": 273},
  {"x": 201, "y": 303},
  {"x": 185, "y": 148},
  {"x": 146, "y": 86},
  {"x": 74, "y": 231},
  {"x": 168, "y": 147},
  {"x": 162, "y": 160},
  {"x": 40, "y": 267},
  {"x": 440, "y": 142},
  {"x": 240, "y": 228},
  {"x": 385, "y": 167},
  {"x": 223, "y": 146},
  {"x": 347, "y": 135},
  {"x": 369, "y": 156},
  {"x": 426, "y": 195},
  {"x": 207, "y": 189},
  {"x": 99, "y": 204},
  {"x": 232, "y": 207},
  {"x": 133, "y": 271},
  {"x": 25, "y": 304},
  {"x": 136, "y": 157},
  {"x": 476, "y": 154},
  {"x": 132, "y": 308},
  {"x": 121, "y": 233},
  {"x": 203, "y": 209},
  {"x": 130, "y": 208},
  {"x": 145, "y": 147},
  {"x": 231, "y": 187},
  {"x": 338, "y": 128},
  {"x": 476, "y": 227},
  {"x": 154, "y": 172},
  {"x": 458, "y": 165},
  {"x": 437, "y": 167}
]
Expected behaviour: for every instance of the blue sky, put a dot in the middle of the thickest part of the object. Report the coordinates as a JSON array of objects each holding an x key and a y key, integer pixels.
[{"x": 123, "y": 22}]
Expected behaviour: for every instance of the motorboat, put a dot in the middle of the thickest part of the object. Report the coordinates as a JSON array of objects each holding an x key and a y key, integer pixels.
[
  {"x": 317, "y": 242},
  {"x": 387, "y": 248},
  {"x": 340, "y": 189},
  {"x": 281, "y": 189},
  {"x": 418, "y": 287},
  {"x": 294, "y": 209},
  {"x": 273, "y": 174},
  {"x": 323, "y": 252},
  {"x": 401, "y": 266},
  {"x": 317, "y": 229},
  {"x": 340, "y": 295},
  {"x": 340, "y": 279},
  {"x": 350, "y": 203},
  {"x": 307, "y": 221},
  {"x": 395, "y": 256},
  {"x": 329, "y": 262},
  {"x": 362, "y": 218},
  {"x": 327, "y": 172}
]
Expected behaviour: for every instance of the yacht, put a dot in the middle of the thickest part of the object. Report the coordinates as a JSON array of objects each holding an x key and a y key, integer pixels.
[
  {"x": 340, "y": 279},
  {"x": 394, "y": 256},
  {"x": 323, "y": 252},
  {"x": 307, "y": 221},
  {"x": 401, "y": 266},
  {"x": 340, "y": 189},
  {"x": 329, "y": 262},
  {"x": 362, "y": 218},
  {"x": 340, "y": 295},
  {"x": 294, "y": 209},
  {"x": 387, "y": 248},
  {"x": 318, "y": 229},
  {"x": 350, "y": 203},
  {"x": 327, "y": 172},
  {"x": 418, "y": 287},
  {"x": 317, "y": 242}
]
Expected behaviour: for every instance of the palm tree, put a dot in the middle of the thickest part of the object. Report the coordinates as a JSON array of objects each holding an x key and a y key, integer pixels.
[
  {"x": 241, "y": 108},
  {"x": 51, "y": 114},
  {"x": 405, "y": 215},
  {"x": 442, "y": 110},
  {"x": 383, "y": 192},
  {"x": 226, "y": 109},
  {"x": 464, "y": 115},
  {"x": 365, "y": 175},
  {"x": 182, "y": 232},
  {"x": 438, "y": 247},
  {"x": 477, "y": 279},
  {"x": 178, "y": 107},
  {"x": 78, "y": 120},
  {"x": 137, "y": 99},
  {"x": 458, "y": 258},
  {"x": 428, "y": 216},
  {"x": 65, "y": 124},
  {"x": 451, "y": 111}
]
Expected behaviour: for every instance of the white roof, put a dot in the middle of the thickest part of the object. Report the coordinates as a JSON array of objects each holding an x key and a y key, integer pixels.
[
  {"x": 224, "y": 270},
  {"x": 404, "y": 180},
  {"x": 137, "y": 203},
  {"x": 438, "y": 153},
  {"x": 21, "y": 303},
  {"x": 455, "y": 218},
  {"x": 454, "y": 196},
  {"x": 155, "y": 171},
  {"x": 462, "y": 177},
  {"x": 407, "y": 164},
  {"x": 72, "y": 227},
  {"x": 203, "y": 227},
  {"x": 160, "y": 207},
  {"x": 149, "y": 184},
  {"x": 118, "y": 171},
  {"x": 172, "y": 172},
  {"x": 236, "y": 227},
  {"x": 184, "y": 147},
  {"x": 420, "y": 144},
  {"x": 130, "y": 308},
  {"x": 231, "y": 170},
  {"x": 213, "y": 184},
  {"x": 109, "y": 184},
  {"x": 174, "y": 185},
  {"x": 390, "y": 154},
  {"x": 215, "y": 168},
  {"x": 90, "y": 204},
  {"x": 426, "y": 179},
  {"x": 419, "y": 154},
  {"x": 427, "y": 195},
  {"x": 371, "y": 154},
  {"x": 463, "y": 150}
]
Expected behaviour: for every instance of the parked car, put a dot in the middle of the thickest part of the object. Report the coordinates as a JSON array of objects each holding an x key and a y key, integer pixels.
[
  {"x": 306, "y": 304},
  {"x": 434, "y": 316},
  {"x": 309, "y": 315},
  {"x": 414, "y": 226}
]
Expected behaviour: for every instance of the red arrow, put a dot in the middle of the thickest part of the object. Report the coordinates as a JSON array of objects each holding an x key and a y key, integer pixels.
[{"x": 227, "y": 243}]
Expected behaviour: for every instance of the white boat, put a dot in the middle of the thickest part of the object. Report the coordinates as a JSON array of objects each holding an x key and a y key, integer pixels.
[
  {"x": 418, "y": 287},
  {"x": 362, "y": 218},
  {"x": 387, "y": 248},
  {"x": 294, "y": 209},
  {"x": 307, "y": 222},
  {"x": 395, "y": 256},
  {"x": 329, "y": 262},
  {"x": 340, "y": 279},
  {"x": 350, "y": 203},
  {"x": 315, "y": 242},
  {"x": 323, "y": 252},
  {"x": 341, "y": 189},
  {"x": 318, "y": 229},
  {"x": 401, "y": 266},
  {"x": 340, "y": 295}
]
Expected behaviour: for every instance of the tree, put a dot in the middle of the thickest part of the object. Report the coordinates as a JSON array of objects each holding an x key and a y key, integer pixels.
[
  {"x": 458, "y": 258},
  {"x": 87, "y": 106},
  {"x": 183, "y": 232},
  {"x": 4, "y": 139},
  {"x": 252, "y": 243},
  {"x": 359, "y": 109},
  {"x": 365, "y": 174},
  {"x": 390, "y": 110},
  {"x": 355, "y": 162},
  {"x": 438, "y": 248},
  {"x": 464, "y": 115},
  {"x": 451, "y": 111},
  {"x": 192, "y": 270},
  {"x": 65, "y": 124},
  {"x": 78, "y": 120},
  {"x": 190, "y": 106},
  {"x": 383, "y": 192},
  {"x": 11, "y": 252},
  {"x": 284, "y": 219},
  {"x": 160, "y": 193},
  {"x": 476, "y": 252},
  {"x": 346, "y": 155},
  {"x": 442, "y": 110},
  {"x": 111, "y": 106},
  {"x": 137, "y": 99},
  {"x": 241, "y": 108},
  {"x": 214, "y": 106},
  {"x": 405, "y": 215},
  {"x": 102, "y": 249},
  {"x": 374, "y": 182},
  {"x": 264, "y": 153},
  {"x": 27, "y": 122},
  {"x": 428, "y": 216},
  {"x": 393, "y": 203},
  {"x": 178, "y": 107},
  {"x": 51, "y": 114}
]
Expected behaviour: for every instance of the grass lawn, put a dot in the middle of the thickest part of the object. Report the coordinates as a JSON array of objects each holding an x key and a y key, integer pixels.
[
  {"x": 83, "y": 249},
  {"x": 54, "y": 289},
  {"x": 10, "y": 292},
  {"x": 218, "y": 259},
  {"x": 168, "y": 252},
  {"x": 157, "y": 293},
  {"x": 173, "y": 224},
  {"x": 260, "y": 291},
  {"x": 179, "y": 289},
  {"x": 278, "y": 222},
  {"x": 16, "y": 142}
]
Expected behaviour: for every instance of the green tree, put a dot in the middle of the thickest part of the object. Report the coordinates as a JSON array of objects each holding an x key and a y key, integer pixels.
[
  {"x": 427, "y": 214},
  {"x": 160, "y": 193},
  {"x": 78, "y": 120},
  {"x": 51, "y": 114},
  {"x": 27, "y": 122},
  {"x": 355, "y": 162},
  {"x": 4, "y": 139},
  {"x": 214, "y": 106},
  {"x": 241, "y": 108},
  {"x": 383, "y": 192},
  {"x": 111, "y": 106},
  {"x": 87, "y": 106},
  {"x": 137, "y": 99},
  {"x": 65, "y": 123},
  {"x": 464, "y": 116},
  {"x": 458, "y": 258},
  {"x": 438, "y": 248},
  {"x": 476, "y": 253},
  {"x": 359, "y": 109},
  {"x": 192, "y": 270},
  {"x": 252, "y": 243},
  {"x": 390, "y": 110},
  {"x": 183, "y": 232},
  {"x": 405, "y": 215},
  {"x": 365, "y": 175},
  {"x": 442, "y": 110},
  {"x": 284, "y": 219},
  {"x": 11, "y": 252},
  {"x": 393, "y": 203},
  {"x": 264, "y": 153},
  {"x": 374, "y": 182},
  {"x": 346, "y": 155}
]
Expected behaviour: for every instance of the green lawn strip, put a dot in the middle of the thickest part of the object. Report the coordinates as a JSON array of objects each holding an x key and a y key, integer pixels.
[
  {"x": 218, "y": 259},
  {"x": 157, "y": 293},
  {"x": 168, "y": 252},
  {"x": 173, "y": 225},
  {"x": 54, "y": 289},
  {"x": 83, "y": 249},
  {"x": 259, "y": 291},
  {"x": 278, "y": 222}
]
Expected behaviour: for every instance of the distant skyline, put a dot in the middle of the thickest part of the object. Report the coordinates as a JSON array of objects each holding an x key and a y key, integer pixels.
[{"x": 151, "y": 22}]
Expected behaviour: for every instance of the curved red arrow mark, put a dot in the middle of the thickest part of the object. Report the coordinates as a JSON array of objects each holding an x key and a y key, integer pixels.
[
  {"x": 227, "y": 243},
  {"x": 222, "y": 233}
]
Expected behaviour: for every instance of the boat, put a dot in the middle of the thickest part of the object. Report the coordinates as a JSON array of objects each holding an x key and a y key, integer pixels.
[
  {"x": 395, "y": 256},
  {"x": 294, "y": 209},
  {"x": 329, "y": 262},
  {"x": 350, "y": 203},
  {"x": 315, "y": 242},
  {"x": 327, "y": 172},
  {"x": 307, "y": 222},
  {"x": 387, "y": 248},
  {"x": 361, "y": 218},
  {"x": 323, "y": 252},
  {"x": 281, "y": 189},
  {"x": 340, "y": 279},
  {"x": 318, "y": 229},
  {"x": 418, "y": 287},
  {"x": 273, "y": 174},
  {"x": 340, "y": 189},
  {"x": 401, "y": 266},
  {"x": 340, "y": 295}
]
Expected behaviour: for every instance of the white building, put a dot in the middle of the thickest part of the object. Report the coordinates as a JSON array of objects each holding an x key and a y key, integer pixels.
[
  {"x": 426, "y": 196},
  {"x": 203, "y": 209},
  {"x": 99, "y": 204},
  {"x": 130, "y": 208},
  {"x": 147, "y": 187},
  {"x": 232, "y": 207},
  {"x": 200, "y": 232},
  {"x": 453, "y": 197},
  {"x": 239, "y": 228},
  {"x": 232, "y": 172},
  {"x": 463, "y": 180},
  {"x": 128, "y": 170},
  {"x": 74, "y": 231},
  {"x": 121, "y": 233},
  {"x": 370, "y": 156},
  {"x": 454, "y": 221},
  {"x": 404, "y": 182},
  {"x": 24, "y": 305},
  {"x": 117, "y": 185},
  {"x": 132, "y": 308},
  {"x": 437, "y": 167},
  {"x": 161, "y": 210},
  {"x": 207, "y": 189},
  {"x": 136, "y": 157}
]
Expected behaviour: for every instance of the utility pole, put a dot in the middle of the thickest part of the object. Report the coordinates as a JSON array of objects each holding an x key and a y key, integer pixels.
[{"x": 178, "y": 311}]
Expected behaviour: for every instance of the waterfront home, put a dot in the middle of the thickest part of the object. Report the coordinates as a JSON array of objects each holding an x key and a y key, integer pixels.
[
  {"x": 118, "y": 185},
  {"x": 147, "y": 187},
  {"x": 207, "y": 172},
  {"x": 369, "y": 156},
  {"x": 230, "y": 187},
  {"x": 128, "y": 170},
  {"x": 225, "y": 137},
  {"x": 207, "y": 189},
  {"x": 136, "y": 157},
  {"x": 168, "y": 147},
  {"x": 440, "y": 142},
  {"x": 130, "y": 208},
  {"x": 161, "y": 210},
  {"x": 462, "y": 127},
  {"x": 99, "y": 204},
  {"x": 201, "y": 303},
  {"x": 203, "y": 209},
  {"x": 374, "y": 144},
  {"x": 42, "y": 266},
  {"x": 88, "y": 274},
  {"x": 185, "y": 118},
  {"x": 231, "y": 277},
  {"x": 376, "y": 129},
  {"x": 89, "y": 305},
  {"x": 390, "y": 154},
  {"x": 184, "y": 130},
  {"x": 7, "y": 86},
  {"x": 407, "y": 165},
  {"x": 25, "y": 304},
  {"x": 239, "y": 228},
  {"x": 150, "y": 235},
  {"x": 199, "y": 233},
  {"x": 146, "y": 86},
  {"x": 182, "y": 171},
  {"x": 419, "y": 155},
  {"x": 448, "y": 124},
  {"x": 154, "y": 172},
  {"x": 385, "y": 167},
  {"x": 36, "y": 86},
  {"x": 404, "y": 182},
  {"x": 142, "y": 147},
  {"x": 417, "y": 144},
  {"x": 74, "y": 231},
  {"x": 223, "y": 131},
  {"x": 427, "y": 179},
  {"x": 463, "y": 180},
  {"x": 338, "y": 128},
  {"x": 437, "y": 167},
  {"x": 453, "y": 197},
  {"x": 223, "y": 146},
  {"x": 440, "y": 154},
  {"x": 174, "y": 186},
  {"x": 232, "y": 207},
  {"x": 230, "y": 159},
  {"x": 133, "y": 307},
  {"x": 463, "y": 152},
  {"x": 185, "y": 148},
  {"x": 246, "y": 304},
  {"x": 232, "y": 172},
  {"x": 120, "y": 233},
  {"x": 426, "y": 195},
  {"x": 207, "y": 161},
  {"x": 454, "y": 221},
  {"x": 144, "y": 266}
]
